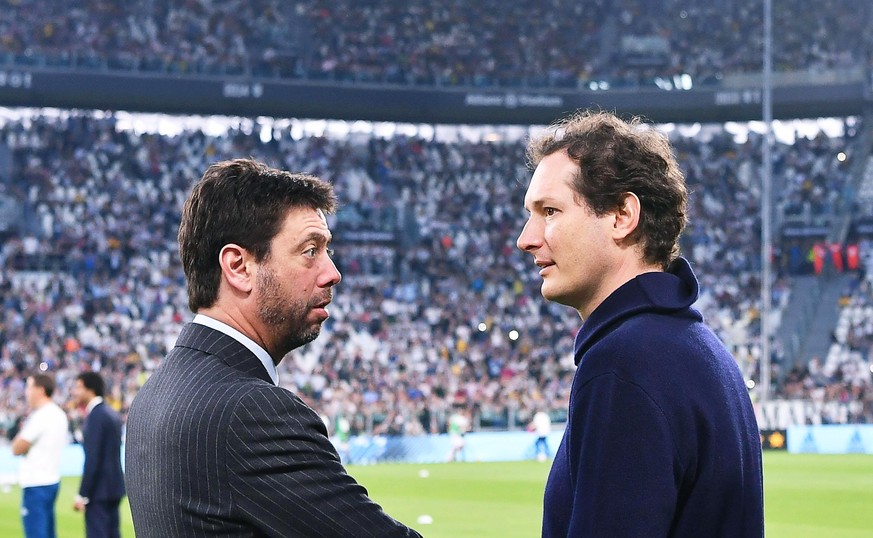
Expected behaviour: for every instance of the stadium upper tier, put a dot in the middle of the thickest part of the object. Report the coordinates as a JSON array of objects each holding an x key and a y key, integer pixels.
[
  {"x": 436, "y": 307},
  {"x": 595, "y": 44},
  {"x": 456, "y": 62}
]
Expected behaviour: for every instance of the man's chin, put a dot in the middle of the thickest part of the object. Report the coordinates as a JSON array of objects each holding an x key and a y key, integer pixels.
[
  {"x": 310, "y": 334},
  {"x": 301, "y": 338},
  {"x": 555, "y": 296},
  {"x": 549, "y": 294}
]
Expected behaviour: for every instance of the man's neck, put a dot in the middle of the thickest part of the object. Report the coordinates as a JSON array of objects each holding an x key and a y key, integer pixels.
[
  {"x": 93, "y": 402},
  {"x": 238, "y": 321}
]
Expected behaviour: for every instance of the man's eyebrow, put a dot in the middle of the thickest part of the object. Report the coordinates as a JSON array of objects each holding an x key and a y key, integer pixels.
[
  {"x": 320, "y": 238},
  {"x": 546, "y": 201},
  {"x": 535, "y": 204}
]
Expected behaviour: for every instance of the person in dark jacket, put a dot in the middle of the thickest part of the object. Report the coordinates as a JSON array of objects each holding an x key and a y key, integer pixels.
[
  {"x": 102, "y": 486},
  {"x": 661, "y": 438},
  {"x": 215, "y": 446}
]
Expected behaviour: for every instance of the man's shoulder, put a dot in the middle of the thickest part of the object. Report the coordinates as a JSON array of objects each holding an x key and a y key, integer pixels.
[
  {"x": 205, "y": 355},
  {"x": 208, "y": 380},
  {"x": 53, "y": 412},
  {"x": 104, "y": 413},
  {"x": 266, "y": 412},
  {"x": 47, "y": 418},
  {"x": 261, "y": 392},
  {"x": 192, "y": 407},
  {"x": 670, "y": 358},
  {"x": 186, "y": 366},
  {"x": 273, "y": 403},
  {"x": 654, "y": 333}
]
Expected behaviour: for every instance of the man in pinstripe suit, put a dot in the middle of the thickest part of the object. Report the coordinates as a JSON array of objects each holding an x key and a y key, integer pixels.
[{"x": 214, "y": 446}]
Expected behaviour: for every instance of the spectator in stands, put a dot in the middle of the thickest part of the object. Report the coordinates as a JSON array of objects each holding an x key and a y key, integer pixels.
[
  {"x": 661, "y": 438},
  {"x": 475, "y": 44}
]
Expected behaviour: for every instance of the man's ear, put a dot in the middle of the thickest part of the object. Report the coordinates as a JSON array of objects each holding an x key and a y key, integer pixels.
[
  {"x": 627, "y": 217},
  {"x": 236, "y": 268}
]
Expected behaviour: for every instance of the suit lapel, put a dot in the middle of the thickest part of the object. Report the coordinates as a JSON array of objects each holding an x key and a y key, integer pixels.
[
  {"x": 88, "y": 419},
  {"x": 223, "y": 347}
]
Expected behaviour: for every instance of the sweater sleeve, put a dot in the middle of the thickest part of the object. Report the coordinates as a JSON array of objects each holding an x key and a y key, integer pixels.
[{"x": 624, "y": 464}]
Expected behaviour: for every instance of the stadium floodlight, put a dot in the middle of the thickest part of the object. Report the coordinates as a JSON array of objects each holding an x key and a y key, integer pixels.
[{"x": 685, "y": 81}]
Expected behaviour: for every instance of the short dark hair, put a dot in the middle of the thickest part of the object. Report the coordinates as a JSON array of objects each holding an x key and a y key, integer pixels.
[
  {"x": 92, "y": 382},
  {"x": 239, "y": 201},
  {"x": 45, "y": 381},
  {"x": 616, "y": 157}
]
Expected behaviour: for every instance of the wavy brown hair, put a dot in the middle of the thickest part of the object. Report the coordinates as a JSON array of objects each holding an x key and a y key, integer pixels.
[{"x": 616, "y": 157}]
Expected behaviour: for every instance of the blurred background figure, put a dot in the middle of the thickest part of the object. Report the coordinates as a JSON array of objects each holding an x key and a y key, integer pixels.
[
  {"x": 459, "y": 425},
  {"x": 41, "y": 441},
  {"x": 541, "y": 425},
  {"x": 102, "y": 486}
]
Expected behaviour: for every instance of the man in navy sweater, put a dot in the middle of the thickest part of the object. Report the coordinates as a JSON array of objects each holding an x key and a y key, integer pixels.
[{"x": 661, "y": 438}]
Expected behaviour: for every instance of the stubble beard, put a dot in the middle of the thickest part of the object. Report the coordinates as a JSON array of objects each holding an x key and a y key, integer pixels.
[{"x": 285, "y": 317}]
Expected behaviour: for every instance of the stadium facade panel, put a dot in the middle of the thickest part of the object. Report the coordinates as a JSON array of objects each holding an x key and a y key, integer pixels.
[{"x": 269, "y": 97}]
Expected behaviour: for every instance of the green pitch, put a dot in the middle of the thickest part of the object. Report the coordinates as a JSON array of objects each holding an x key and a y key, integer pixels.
[{"x": 806, "y": 496}]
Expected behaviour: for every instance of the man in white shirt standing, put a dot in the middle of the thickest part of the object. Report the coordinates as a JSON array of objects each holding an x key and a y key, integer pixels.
[
  {"x": 542, "y": 426},
  {"x": 41, "y": 442}
]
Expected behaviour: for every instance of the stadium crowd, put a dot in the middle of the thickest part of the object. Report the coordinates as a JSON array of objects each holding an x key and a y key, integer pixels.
[
  {"x": 557, "y": 43},
  {"x": 437, "y": 308},
  {"x": 843, "y": 375}
]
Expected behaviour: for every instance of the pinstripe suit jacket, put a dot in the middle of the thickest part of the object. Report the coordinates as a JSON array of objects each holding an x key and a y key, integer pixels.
[{"x": 215, "y": 449}]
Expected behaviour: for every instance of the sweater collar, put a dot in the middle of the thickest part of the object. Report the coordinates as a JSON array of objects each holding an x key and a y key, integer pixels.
[{"x": 664, "y": 292}]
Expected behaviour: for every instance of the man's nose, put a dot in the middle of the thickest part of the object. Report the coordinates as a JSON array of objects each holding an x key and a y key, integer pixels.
[
  {"x": 529, "y": 239},
  {"x": 331, "y": 276}
]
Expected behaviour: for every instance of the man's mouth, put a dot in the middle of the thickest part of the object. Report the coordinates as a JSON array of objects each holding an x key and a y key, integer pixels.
[{"x": 324, "y": 302}]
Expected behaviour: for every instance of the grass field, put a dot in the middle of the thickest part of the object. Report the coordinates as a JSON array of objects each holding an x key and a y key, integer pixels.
[{"x": 806, "y": 495}]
